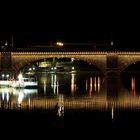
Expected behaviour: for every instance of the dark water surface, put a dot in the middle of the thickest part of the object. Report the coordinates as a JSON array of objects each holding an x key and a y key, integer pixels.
[{"x": 92, "y": 103}]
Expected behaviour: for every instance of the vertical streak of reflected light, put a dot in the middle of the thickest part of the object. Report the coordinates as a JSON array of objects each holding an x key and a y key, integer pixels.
[
  {"x": 72, "y": 83},
  {"x": 3, "y": 96},
  {"x": 29, "y": 101},
  {"x": 45, "y": 86},
  {"x": 99, "y": 81},
  {"x": 7, "y": 95},
  {"x": 95, "y": 84},
  {"x": 112, "y": 113},
  {"x": 133, "y": 83},
  {"x": 54, "y": 84},
  {"x": 20, "y": 97},
  {"x": 133, "y": 87},
  {"x": 90, "y": 88}
]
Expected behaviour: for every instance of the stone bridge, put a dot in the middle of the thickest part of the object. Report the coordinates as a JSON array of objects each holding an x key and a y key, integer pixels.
[{"x": 105, "y": 61}]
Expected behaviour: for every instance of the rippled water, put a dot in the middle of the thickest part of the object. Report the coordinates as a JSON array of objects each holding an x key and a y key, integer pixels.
[
  {"x": 54, "y": 87},
  {"x": 89, "y": 99},
  {"x": 74, "y": 91},
  {"x": 85, "y": 90}
]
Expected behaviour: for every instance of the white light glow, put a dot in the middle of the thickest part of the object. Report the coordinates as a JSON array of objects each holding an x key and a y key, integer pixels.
[
  {"x": 20, "y": 97},
  {"x": 112, "y": 43},
  {"x": 20, "y": 76},
  {"x": 72, "y": 68},
  {"x": 112, "y": 113},
  {"x": 3, "y": 96},
  {"x": 7, "y": 95},
  {"x": 72, "y": 59}
]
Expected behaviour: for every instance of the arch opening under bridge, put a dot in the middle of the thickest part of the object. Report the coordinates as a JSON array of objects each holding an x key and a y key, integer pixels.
[{"x": 62, "y": 64}]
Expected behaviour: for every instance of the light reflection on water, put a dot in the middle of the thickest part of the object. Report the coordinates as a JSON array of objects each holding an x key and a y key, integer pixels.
[
  {"x": 69, "y": 88},
  {"x": 74, "y": 91},
  {"x": 69, "y": 84}
]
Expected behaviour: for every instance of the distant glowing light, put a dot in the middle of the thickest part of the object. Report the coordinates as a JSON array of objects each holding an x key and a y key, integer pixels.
[
  {"x": 72, "y": 68},
  {"x": 59, "y": 43},
  {"x": 7, "y": 75},
  {"x": 72, "y": 59},
  {"x": 112, "y": 43},
  {"x": 6, "y": 43}
]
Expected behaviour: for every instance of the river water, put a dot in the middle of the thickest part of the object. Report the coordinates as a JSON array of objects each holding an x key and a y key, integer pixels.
[
  {"x": 74, "y": 90},
  {"x": 82, "y": 94}
]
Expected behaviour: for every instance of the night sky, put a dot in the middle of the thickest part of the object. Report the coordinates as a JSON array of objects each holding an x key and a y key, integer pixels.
[{"x": 42, "y": 23}]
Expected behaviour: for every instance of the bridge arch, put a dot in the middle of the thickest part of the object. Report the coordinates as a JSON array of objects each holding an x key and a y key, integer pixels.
[
  {"x": 132, "y": 68},
  {"x": 61, "y": 62},
  {"x": 102, "y": 60},
  {"x": 125, "y": 60},
  {"x": 20, "y": 59}
]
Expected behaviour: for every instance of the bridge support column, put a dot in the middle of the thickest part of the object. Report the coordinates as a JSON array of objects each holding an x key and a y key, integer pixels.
[
  {"x": 112, "y": 76},
  {"x": 5, "y": 60},
  {"x": 6, "y": 64}
]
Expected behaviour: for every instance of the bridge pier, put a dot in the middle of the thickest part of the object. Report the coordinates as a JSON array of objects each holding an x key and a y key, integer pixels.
[
  {"x": 112, "y": 76},
  {"x": 6, "y": 65},
  {"x": 6, "y": 62}
]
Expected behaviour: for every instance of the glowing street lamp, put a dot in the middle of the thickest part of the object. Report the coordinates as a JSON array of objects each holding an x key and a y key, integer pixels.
[{"x": 60, "y": 44}]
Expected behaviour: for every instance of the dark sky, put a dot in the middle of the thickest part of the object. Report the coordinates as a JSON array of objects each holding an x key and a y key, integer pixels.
[{"x": 42, "y": 23}]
